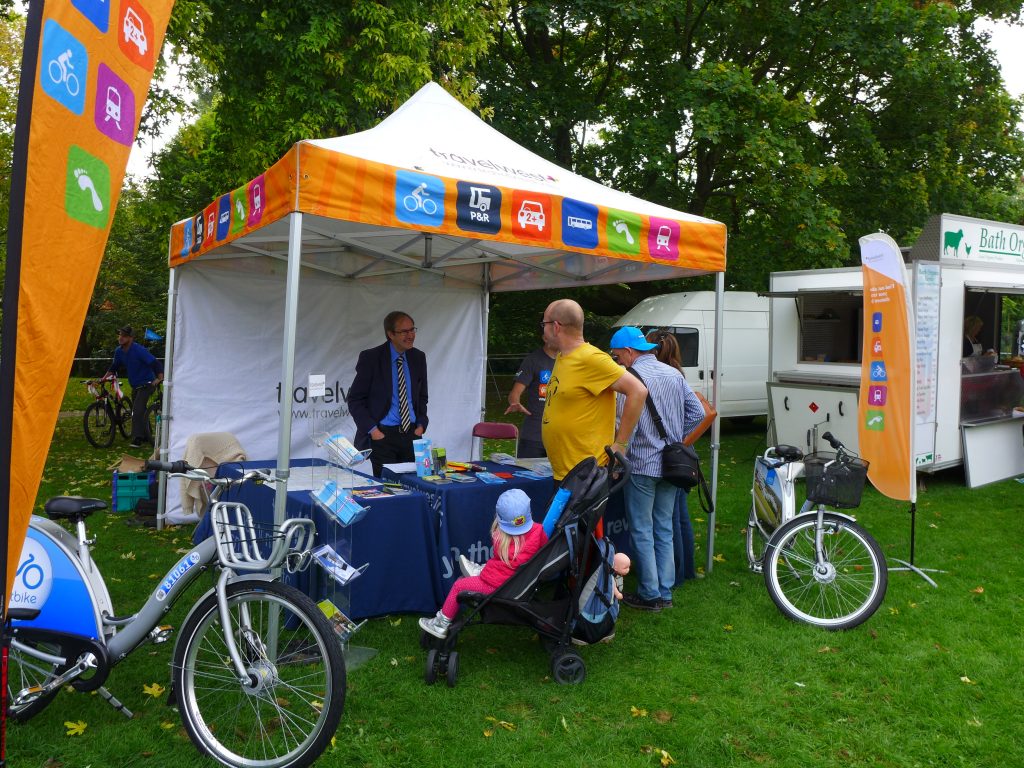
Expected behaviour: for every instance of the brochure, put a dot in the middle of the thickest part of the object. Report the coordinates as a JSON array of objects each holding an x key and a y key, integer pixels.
[
  {"x": 332, "y": 498},
  {"x": 343, "y": 626},
  {"x": 335, "y": 564},
  {"x": 489, "y": 477}
]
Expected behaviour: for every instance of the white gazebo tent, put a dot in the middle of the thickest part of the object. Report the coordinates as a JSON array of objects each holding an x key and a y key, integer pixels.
[{"x": 428, "y": 212}]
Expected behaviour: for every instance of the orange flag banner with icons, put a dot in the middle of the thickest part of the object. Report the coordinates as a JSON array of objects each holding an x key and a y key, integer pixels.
[
  {"x": 886, "y": 406},
  {"x": 86, "y": 70}
]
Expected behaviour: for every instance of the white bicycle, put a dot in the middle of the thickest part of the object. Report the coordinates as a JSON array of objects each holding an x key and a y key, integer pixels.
[
  {"x": 820, "y": 566},
  {"x": 258, "y": 673},
  {"x": 418, "y": 200}
]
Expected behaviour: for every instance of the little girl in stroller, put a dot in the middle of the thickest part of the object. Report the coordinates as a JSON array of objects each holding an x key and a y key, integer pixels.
[
  {"x": 516, "y": 538},
  {"x": 544, "y": 591}
]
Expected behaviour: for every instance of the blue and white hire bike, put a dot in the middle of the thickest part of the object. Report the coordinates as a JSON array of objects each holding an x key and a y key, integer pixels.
[{"x": 258, "y": 673}]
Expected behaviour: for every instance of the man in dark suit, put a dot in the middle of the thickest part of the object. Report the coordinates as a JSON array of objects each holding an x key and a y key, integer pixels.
[{"x": 387, "y": 418}]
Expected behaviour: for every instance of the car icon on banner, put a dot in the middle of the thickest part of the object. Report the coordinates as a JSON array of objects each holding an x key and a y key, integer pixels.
[{"x": 531, "y": 214}]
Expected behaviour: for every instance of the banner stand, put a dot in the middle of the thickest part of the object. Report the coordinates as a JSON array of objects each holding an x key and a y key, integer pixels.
[{"x": 909, "y": 566}]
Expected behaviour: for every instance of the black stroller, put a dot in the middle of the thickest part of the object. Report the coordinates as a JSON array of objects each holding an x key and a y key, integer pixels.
[{"x": 544, "y": 592}]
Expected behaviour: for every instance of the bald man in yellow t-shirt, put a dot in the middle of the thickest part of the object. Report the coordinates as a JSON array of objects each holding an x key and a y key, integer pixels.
[{"x": 579, "y": 415}]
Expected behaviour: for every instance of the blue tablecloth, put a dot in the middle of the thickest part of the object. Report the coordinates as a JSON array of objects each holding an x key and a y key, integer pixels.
[
  {"x": 397, "y": 538},
  {"x": 466, "y": 510}
]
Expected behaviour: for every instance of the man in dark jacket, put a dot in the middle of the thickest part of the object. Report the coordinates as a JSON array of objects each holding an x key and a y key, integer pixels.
[
  {"x": 388, "y": 398},
  {"x": 145, "y": 373}
]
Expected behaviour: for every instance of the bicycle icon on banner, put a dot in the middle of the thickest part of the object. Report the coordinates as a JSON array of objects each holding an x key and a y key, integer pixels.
[
  {"x": 61, "y": 72},
  {"x": 419, "y": 200}
]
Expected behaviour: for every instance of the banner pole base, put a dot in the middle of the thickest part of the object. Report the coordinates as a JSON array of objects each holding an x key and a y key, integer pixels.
[{"x": 922, "y": 572}]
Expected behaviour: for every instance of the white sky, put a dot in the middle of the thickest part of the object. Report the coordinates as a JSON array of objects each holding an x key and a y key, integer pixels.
[{"x": 1007, "y": 41}]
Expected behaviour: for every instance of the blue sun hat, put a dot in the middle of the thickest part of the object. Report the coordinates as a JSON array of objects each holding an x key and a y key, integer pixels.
[
  {"x": 513, "y": 510},
  {"x": 630, "y": 337}
]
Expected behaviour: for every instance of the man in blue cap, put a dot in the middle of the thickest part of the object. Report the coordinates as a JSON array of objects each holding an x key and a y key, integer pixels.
[{"x": 650, "y": 499}]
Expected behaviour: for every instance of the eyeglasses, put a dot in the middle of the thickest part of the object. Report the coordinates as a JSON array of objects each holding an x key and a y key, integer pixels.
[
  {"x": 546, "y": 322},
  {"x": 405, "y": 331}
]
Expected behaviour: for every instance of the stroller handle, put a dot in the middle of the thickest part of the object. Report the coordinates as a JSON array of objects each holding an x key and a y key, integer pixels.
[{"x": 617, "y": 465}]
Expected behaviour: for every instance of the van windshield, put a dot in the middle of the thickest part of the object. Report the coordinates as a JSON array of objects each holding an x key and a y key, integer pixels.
[{"x": 689, "y": 343}]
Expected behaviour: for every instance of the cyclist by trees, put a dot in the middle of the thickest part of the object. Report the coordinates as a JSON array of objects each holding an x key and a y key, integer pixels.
[{"x": 145, "y": 372}]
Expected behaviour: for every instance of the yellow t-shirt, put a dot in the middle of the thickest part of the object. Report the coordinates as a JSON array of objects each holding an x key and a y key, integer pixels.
[{"x": 579, "y": 415}]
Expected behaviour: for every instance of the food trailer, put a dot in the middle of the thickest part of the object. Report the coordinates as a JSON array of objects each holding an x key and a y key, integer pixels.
[{"x": 967, "y": 409}]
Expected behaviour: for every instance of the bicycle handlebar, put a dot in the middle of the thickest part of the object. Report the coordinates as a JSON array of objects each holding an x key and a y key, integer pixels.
[
  {"x": 829, "y": 438},
  {"x": 179, "y": 467}
]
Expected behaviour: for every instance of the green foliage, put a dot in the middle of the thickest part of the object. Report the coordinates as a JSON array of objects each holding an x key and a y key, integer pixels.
[
  {"x": 12, "y": 33},
  {"x": 802, "y": 126}
]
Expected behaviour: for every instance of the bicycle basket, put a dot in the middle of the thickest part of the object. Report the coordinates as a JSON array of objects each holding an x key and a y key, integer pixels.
[
  {"x": 245, "y": 545},
  {"x": 834, "y": 483}
]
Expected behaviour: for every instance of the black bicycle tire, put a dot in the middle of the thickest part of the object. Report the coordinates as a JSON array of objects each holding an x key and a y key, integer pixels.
[
  {"x": 124, "y": 418},
  {"x": 99, "y": 440},
  {"x": 153, "y": 414},
  {"x": 780, "y": 548},
  {"x": 205, "y": 618}
]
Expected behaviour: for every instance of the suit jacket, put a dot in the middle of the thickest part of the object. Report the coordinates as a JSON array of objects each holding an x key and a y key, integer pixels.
[{"x": 369, "y": 397}]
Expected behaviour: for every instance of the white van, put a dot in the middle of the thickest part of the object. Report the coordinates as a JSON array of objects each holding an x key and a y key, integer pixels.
[{"x": 691, "y": 317}]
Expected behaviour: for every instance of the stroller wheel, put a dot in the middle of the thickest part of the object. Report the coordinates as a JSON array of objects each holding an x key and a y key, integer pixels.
[
  {"x": 430, "y": 673},
  {"x": 568, "y": 668},
  {"x": 452, "y": 673}
]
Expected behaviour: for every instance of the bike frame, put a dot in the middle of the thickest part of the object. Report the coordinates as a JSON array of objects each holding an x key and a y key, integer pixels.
[
  {"x": 73, "y": 600},
  {"x": 774, "y": 496}
]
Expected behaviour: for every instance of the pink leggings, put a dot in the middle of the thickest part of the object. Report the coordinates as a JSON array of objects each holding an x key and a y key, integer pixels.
[{"x": 465, "y": 584}]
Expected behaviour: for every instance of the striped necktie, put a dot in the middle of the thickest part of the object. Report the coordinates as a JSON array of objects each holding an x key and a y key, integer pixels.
[{"x": 403, "y": 396}]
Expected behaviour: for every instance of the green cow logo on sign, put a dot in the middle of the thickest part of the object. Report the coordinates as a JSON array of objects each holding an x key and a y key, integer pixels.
[{"x": 951, "y": 241}]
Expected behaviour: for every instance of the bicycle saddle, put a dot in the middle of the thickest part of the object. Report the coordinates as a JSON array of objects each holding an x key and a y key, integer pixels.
[
  {"x": 72, "y": 507},
  {"x": 789, "y": 452}
]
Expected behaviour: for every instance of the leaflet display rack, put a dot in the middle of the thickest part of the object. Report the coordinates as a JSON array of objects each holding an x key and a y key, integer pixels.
[{"x": 337, "y": 573}]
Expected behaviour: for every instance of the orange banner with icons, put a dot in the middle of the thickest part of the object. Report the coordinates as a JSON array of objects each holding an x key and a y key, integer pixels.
[
  {"x": 86, "y": 72},
  {"x": 886, "y": 406},
  {"x": 319, "y": 181}
]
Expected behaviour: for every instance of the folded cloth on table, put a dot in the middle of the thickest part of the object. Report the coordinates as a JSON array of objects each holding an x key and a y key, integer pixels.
[{"x": 206, "y": 450}]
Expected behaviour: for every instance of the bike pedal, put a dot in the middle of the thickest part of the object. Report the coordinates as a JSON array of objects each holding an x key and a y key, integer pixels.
[
  {"x": 161, "y": 634},
  {"x": 756, "y": 568}
]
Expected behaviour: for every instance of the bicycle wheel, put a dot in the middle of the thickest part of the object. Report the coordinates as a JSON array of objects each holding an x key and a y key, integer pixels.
[
  {"x": 98, "y": 423},
  {"x": 288, "y": 713},
  {"x": 841, "y": 594},
  {"x": 153, "y": 415},
  {"x": 25, "y": 671},
  {"x": 124, "y": 418}
]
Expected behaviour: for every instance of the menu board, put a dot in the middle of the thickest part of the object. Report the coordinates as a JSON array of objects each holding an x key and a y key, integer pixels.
[{"x": 926, "y": 283}]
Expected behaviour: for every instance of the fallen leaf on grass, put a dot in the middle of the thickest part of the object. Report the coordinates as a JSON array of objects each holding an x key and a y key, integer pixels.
[
  {"x": 565, "y": 725},
  {"x": 500, "y": 723},
  {"x": 800, "y": 685},
  {"x": 153, "y": 689},
  {"x": 828, "y": 649},
  {"x": 975, "y": 722},
  {"x": 75, "y": 729},
  {"x": 637, "y": 712},
  {"x": 167, "y": 725},
  {"x": 395, "y": 622},
  {"x": 661, "y": 716},
  {"x": 734, "y": 584},
  {"x": 967, "y": 681},
  {"x": 394, "y": 662},
  {"x": 666, "y": 759},
  {"x": 719, "y": 558},
  {"x": 978, "y": 590},
  {"x": 127, "y": 555},
  {"x": 727, "y": 627},
  {"x": 894, "y": 611},
  {"x": 932, "y": 525}
]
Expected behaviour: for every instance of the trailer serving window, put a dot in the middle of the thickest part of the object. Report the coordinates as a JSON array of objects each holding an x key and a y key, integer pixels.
[{"x": 830, "y": 326}]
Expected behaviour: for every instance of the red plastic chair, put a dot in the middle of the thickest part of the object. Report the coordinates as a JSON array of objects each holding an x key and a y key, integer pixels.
[{"x": 495, "y": 430}]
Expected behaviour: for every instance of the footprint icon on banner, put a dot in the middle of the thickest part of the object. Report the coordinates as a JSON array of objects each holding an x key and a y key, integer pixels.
[{"x": 87, "y": 188}]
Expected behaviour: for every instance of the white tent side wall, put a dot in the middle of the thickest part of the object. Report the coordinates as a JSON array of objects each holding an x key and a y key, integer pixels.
[{"x": 229, "y": 322}]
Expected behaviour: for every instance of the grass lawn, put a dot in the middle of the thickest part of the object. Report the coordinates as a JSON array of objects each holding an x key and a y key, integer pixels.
[{"x": 722, "y": 679}]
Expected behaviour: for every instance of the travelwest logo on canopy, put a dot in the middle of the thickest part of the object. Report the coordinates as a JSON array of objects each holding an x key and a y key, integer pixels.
[{"x": 456, "y": 160}]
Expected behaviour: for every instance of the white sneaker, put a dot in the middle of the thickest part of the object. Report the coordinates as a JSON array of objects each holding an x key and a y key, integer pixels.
[
  {"x": 468, "y": 567},
  {"x": 436, "y": 625}
]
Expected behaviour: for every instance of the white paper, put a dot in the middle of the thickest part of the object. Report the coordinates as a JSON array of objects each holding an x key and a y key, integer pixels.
[
  {"x": 401, "y": 467},
  {"x": 317, "y": 385}
]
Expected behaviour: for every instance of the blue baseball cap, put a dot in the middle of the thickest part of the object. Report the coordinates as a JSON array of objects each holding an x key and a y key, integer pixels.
[
  {"x": 629, "y": 337},
  {"x": 513, "y": 510}
]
